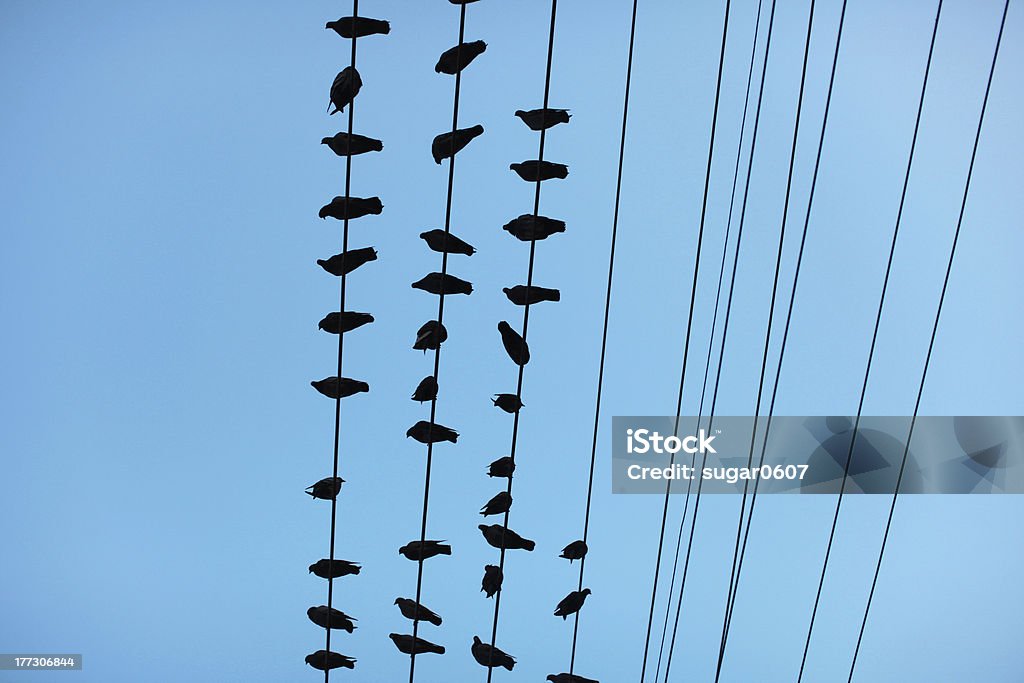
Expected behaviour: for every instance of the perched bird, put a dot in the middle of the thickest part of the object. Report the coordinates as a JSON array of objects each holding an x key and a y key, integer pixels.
[
  {"x": 359, "y": 27},
  {"x": 447, "y": 145},
  {"x": 498, "y": 505},
  {"x": 333, "y": 569},
  {"x": 488, "y": 656},
  {"x": 407, "y": 644},
  {"x": 339, "y": 323},
  {"x": 515, "y": 345},
  {"x": 347, "y": 261},
  {"x": 571, "y": 603},
  {"x": 541, "y": 119},
  {"x": 534, "y": 171},
  {"x": 426, "y": 432},
  {"x": 426, "y": 390},
  {"x": 455, "y": 59},
  {"x": 492, "y": 580},
  {"x": 325, "y": 616},
  {"x": 528, "y": 227},
  {"x": 345, "y": 145},
  {"x": 502, "y": 467},
  {"x": 411, "y": 609},
  {"x": 324, "y": 660},
  {"x": 521, "y": 295},
  {"x": 339, "y": 387},
  {"x": 415, "y": 550},
  {"x": 344, "y": 89},
  {"x": 576, "y": 550},
  {"x": 497, "y": 536},
  {"x": 430, "y": 336},
  {"x": 443, "y": 283},
  {"x": 510, "y": 403},
  {"x": 446, "y": 243},
  {"x": 569, "y": 678},
  {"x": 351, "y": 207},
  {"x": 326, "y": 489}
]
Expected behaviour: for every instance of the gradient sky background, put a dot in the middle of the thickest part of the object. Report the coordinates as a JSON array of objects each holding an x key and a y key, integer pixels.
[{"x": 160, "y": 184}]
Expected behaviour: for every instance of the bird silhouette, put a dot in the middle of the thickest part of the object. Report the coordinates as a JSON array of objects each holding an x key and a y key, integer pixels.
[
  {"x": 324, "y": 616},
  {"x": 499, "y": 504},
  {"x": 515, "y": 345},
  {"x": 491, "y": 583},
  {"x": 576, "y": 550},
  {"x": 339, "y": 323},
  {"x": 324, "y": 660},
  {"x": 416, "y": 550},
  {"x": 359, "y": 27},
  {"x": 541, "y": 119},
  {"x": 502, "y": 467},
  {"x": 430, "y": 336},
  {"x": 407, "y": 644},
  {"x": 443, "y": 283},
  {"x": 569, "y": 678},
  {"x": 344, "y": 89},
  {"x": 488, "y": 656},
  {"x": 345, "y": 145},
  {"x": 534, "y": 171},
  {"x": 347, "y": 261},
  {"x": 446, "y": 243},
  {"x": 426, "y": 432},
  {"x": 326, "y": 489},
  {"x": 339, "y": 387},
  {"x": 454, "y": 60},
  {"x": 447, "y": 145},
  {"x": 510, "y": 403},
  {"x": 571, "y": 603},
  {"x": 333, "y": 569},
  {"x": 498, "y": 536},
  {"x": 523, "y": 295},
  {"x": 529, "y": 228},
  {"x": 351, "y": 208},
  {"x": 411, "y": 609},
  {"x": 426, "y": 390}
]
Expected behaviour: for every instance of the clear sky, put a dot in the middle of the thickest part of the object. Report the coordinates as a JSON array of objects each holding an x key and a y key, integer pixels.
[{"x": 160, "y": 181}]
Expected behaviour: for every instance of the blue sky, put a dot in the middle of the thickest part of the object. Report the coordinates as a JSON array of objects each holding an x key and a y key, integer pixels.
[{"x": 160, "y": 184}]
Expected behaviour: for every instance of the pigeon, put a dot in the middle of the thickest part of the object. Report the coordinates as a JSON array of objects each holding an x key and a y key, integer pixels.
[
  {"x": 447, "y": 145},
  {"x": 496, "y": 536},
  {"x": 430, "y": 336},
  {"x": 498, "y": 505},
  {"x": 345, "y": 145},
  {"x": 510, "y": 403},
  {"x": 502, "y": 467},
  {"x": 541, "y": 119},
  {"x": 488, "y": 656},
  {"x": 446, "y": 243},
  {"x": 326, "y": 489},
  {"x": 522, "y": 295},
  {"x": 529, "y": 227},
  {"x": 571, "y": 603},
  {"x": 426, "y": 432},
  {"x": 416, "y": 550},
  {"x": 411, "y": 609},
  {"x": 343, "y": 387},
  {"x": 339, "y": 323},
  {"x": 407, "y": 644},
  {"x": 455, "y": 59},
  {"x": 351, "y": 207},
  {"x": 333, "y": 569},
  {"x": 569, "y": 678},
  {"x": 443, "y": 283},
  {"x": 515, "y": 345},
  {"x": 323, "y": 616},
  {"x": 576, "y": 550},
  {"x": 324, "y": 660},
  {"x": 492, "y": 580},
  {"x": 536, "y": 171},
  {"x": 347, "y": 261},
  {"x": 344, "y": 89},
  {"x": 426, "y": 390},
  {"x": 359, "y": 27}
]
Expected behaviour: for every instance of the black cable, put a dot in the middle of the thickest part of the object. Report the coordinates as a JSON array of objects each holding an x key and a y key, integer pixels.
[{"x": 931, "y": 341}]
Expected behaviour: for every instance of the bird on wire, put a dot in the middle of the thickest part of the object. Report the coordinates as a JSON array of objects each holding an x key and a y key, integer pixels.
[
  {"x": 576, "y": 550},
  {"x": 498, "y": 537},
  {"x": 324, "y": 660},
  {"x": 426, "y": 432},
  {"x": 426, "y": 390},
  {"x": 411, "y": 609},
  {"x": 569, "y": 678},
  {"x": 359, "y": 27},
  {"x": 339, "y": 387},
  {"x": 351, "y": 208},
  {"x": 407, "y": 644},
  {"x": 345, "y": 145},
  {"x": 326, "y": 489},
  {"x": 515, "y": 345},
  {"x": 510, "y": 403},
  {"x": 447, "y": 145},
  {"x": 533, "y": 171},
  {"x": 323, "y": 616},
  {"x": 424, "y": 550},
  {"x": 571, "y": 603},
  {"x": 339, "y": 323},
  {"x": 446, "y": 243},
  {"x": 522, "y": 295},
  {"x": 499, "y": 504},
  {"x": 430, "y": 336},
  {"x": 488, "y": 656},
  {"x": 344, "y": 89},
  {"x": 542, "y": 119},
  {"x": 529, "y": 228},
  {"x": 502, "y": 467},
  {"x": 454, "y": 60},
  {"x": 493, "y": 577},
  {"x": 347, "y": 261},
  {"x": 443, "y": 283},
  {"x": 333, "y": 569}
]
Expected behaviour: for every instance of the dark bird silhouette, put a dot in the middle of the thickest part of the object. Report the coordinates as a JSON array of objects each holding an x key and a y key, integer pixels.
[
  {"x": 443, "y": 283},
  {"x": 355, "y": 207},
  {"x": 533, "y": 171},
  {"x": 411, "y": 609},
  {"x": 416, "y": 551},
  {"x": 447, "y": 145},
  {"x": 502, "y": 467},
  {"x": 345, "y": 145},
  {"x": 339, "y": 387},
  {"x": 576, "y": 550},
  {"x": 324, "y": 660},
  {"x": 407, "y": 644},
  {"x": 521, "y": 295},
  {"x": 425, "y": 432},
  {"x": 529, "y": 228},
  {"x": 499, "y": 504},
  {"x": 430, "y": 336},
  {"x": 571, "y": 603},
  {"x": 496, "y": 535},
  {"x": 515, "y": 345},
  {"x": 359, "y": 27},
  {"x": 510, "y": 403},
  {"x": 344, "y": 89},
  {"x": 426, "y": 390},
  {"x": 488, "y": 656},
  {"x": 347, "y": 261},
  {"x": 326, "y": 489},
  {"x": 323, "y": 616},
  {"x": 328, "y": 569},
  {"x": 446, "y": 243},
  {"x": 339, "y": 323},
  {"x": 492, "y": 580},
  {"x": 569, "y": 678},
  {"x": 455, "y": 59},
  {"x": 541, "y": 119}
]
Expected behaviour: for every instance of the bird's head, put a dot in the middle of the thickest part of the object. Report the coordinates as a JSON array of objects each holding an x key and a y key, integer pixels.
[
  {"x": 323, "y": 214},
  {"x": 476, "y": 640},
  {"x": 311, "y": 568},
  {"x": 311, "y": 611},
  {"x": 552, "y": 677},
  {"x": 362, "y": 386},
  {"x": 586, "y": 591},
  {"x": 481, "y": 527},
  {"x": 477, "y": 129},
  {"x": 325, "y": 141},
  {"x": 396, "y": 601},
  {"x": 504, "y": 327},
  {"x": 512, "y": 167},
  {"x": 520, "y": 113},
  {"x": 331, "y": 25}
]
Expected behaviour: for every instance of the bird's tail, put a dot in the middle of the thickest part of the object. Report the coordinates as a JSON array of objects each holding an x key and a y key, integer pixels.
[
  {"x": 529, "y": 545},
  {"x": 444, "y": 549},
  {"x": 509, "y": 663},
  {"x": 435, "y": 620}
]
